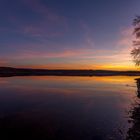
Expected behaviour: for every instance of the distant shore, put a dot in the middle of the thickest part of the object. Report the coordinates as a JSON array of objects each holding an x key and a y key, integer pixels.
[{"x": 9, "y": 72}]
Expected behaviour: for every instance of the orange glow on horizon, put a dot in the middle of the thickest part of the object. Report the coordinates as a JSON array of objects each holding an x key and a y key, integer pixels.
[{"x": 82, "y": 66}]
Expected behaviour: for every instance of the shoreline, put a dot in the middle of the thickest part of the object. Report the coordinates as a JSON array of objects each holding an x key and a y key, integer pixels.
[{"x": 9, "y": 72}]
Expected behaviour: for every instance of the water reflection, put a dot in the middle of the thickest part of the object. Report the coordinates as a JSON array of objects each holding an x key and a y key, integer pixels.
[
  {"x": 134, "y": 130},
  {"x": 66, "y": 108},
  {"x": 138, "y": 87}
]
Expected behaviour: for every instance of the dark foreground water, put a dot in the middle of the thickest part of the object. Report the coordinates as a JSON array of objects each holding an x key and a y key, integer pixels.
[{"x": 66, "y": 108}]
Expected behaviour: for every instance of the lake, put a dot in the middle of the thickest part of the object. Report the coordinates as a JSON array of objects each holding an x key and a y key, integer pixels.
[{"x": 66, "y": 108}]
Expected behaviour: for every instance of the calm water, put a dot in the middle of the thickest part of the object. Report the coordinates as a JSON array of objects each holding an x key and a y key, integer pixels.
[{"x": 66, "y": 108}]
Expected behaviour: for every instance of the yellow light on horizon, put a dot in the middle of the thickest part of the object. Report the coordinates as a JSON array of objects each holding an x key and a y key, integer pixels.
[{"x": 126, "y": 66}]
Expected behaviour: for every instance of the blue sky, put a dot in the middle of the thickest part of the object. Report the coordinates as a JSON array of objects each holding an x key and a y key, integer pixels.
[{"x": 67, "y": 33}]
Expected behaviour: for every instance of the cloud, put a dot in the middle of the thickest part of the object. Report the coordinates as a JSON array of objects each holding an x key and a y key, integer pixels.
[
  {"x": 120, "y": 51},
  {"x": 40, "y": 22},
  {"x": 46, "y": 12},
  {"x": 88, "y": 39},
  {"x": 125, "y": 43},
  {"x": 44, "y": 54},
  {"x": 84, "y": 55},
  {"x": 126, "y": 37},
  {"x": 3, "y": 62}
]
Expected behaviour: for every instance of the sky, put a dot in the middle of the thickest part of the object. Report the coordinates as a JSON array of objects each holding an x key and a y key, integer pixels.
[{"x": 67, "y": 34}]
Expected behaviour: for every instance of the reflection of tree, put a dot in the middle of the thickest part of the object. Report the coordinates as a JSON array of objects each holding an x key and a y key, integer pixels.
[
  {"x": 138, "y": 87},
  {"x": 134, "y": 131}
]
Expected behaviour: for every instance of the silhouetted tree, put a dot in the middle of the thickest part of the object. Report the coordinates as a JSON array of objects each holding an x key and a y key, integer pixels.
[
  {"x": 134, "y": 131},
  {"x": 136, "y": 51}
]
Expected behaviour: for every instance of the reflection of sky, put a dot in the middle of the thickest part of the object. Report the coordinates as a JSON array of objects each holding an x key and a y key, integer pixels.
[
  {"x": 81, "y": 105},
  {"x": 67, "y": 34}
]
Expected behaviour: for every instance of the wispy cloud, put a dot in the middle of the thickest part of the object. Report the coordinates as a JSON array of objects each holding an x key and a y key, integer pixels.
[
  {"x": 3, "y": 62},
  {"x": 46, "y": 23},
  {"x": 88, "y": 38},
  {"x": 46, "y": 12},
  {"x": 85, "y": 56},
  {"x": 44, "y": 54}
]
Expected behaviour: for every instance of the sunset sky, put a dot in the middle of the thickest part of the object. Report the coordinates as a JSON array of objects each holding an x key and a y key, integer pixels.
[{"x": 67, "y": 34}]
